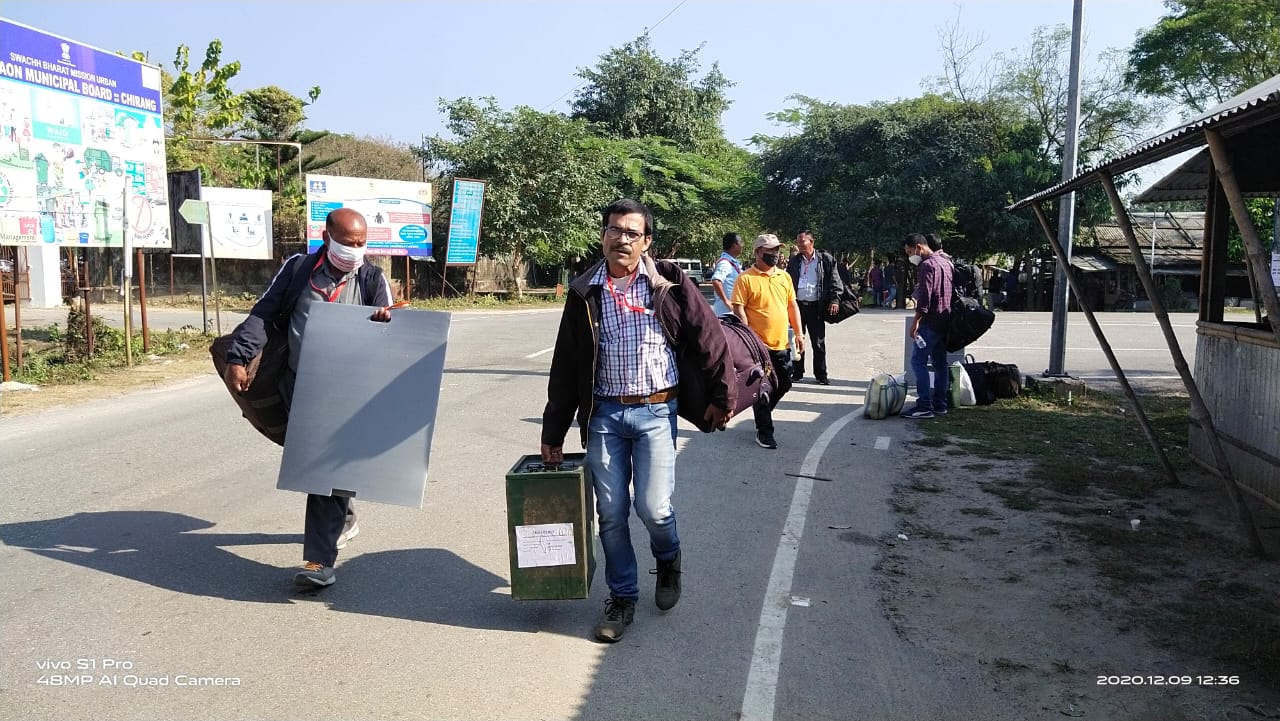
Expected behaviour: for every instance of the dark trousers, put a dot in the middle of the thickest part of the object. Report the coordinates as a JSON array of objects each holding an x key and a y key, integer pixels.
[
  {"x": 327, "y": 516},
  {"x": 812, "y": 323},
  {"x": 781, "y": 360}
]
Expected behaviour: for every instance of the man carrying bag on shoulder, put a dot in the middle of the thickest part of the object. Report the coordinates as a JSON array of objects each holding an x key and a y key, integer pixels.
[{"x": 336, "y": 273}]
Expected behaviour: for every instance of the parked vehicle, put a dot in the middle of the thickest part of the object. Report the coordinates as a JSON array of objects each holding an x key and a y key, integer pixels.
[{"x": 691, "y": 268}]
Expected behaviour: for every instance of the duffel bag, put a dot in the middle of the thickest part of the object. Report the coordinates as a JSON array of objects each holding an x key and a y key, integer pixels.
[
  {"x": 262, "y": 404},
  {"x": 980, "y": 378},
  {"x": 968, "y": 322},
  {"x": 752, "y": 375}
]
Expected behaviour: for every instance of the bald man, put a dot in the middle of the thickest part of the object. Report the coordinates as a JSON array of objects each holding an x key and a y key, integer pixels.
[{"x": 335, "y": 273}]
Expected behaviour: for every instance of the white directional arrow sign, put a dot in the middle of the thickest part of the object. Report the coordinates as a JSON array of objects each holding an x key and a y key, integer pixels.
[{"x": 195, "y": 212}]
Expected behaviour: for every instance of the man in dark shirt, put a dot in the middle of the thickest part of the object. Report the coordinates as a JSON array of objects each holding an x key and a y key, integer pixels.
[{"x": 929, "y": 327}]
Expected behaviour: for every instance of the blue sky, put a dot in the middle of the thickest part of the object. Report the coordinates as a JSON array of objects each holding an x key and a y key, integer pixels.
[{"x": 383, "y": 65}]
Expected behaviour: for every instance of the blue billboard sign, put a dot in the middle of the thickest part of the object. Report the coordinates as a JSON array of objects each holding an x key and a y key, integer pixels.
[{"x": 464, "y": 221}]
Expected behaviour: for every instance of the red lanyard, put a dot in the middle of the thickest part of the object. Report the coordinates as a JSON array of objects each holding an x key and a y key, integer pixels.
[
  {"x": 327, "y": 296},
  {"x": 734, "y": 262},
  {"x": 621, "y": 296},
  {"x": 804, "y": 264}
]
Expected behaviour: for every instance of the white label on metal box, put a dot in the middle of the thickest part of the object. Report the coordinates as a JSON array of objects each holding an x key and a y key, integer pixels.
[{"x": 545, "y": 544}]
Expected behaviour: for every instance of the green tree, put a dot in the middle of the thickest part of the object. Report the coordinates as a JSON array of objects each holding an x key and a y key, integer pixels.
[
  {"x": 546, "y": 181},
  {"x": 695, "y": 197},
  {"x": 634, "y": 93},
  {"x": 863, "y": 176},
  {"x": 367, "y": 157},
  {"x": 1202, "y": 52}
]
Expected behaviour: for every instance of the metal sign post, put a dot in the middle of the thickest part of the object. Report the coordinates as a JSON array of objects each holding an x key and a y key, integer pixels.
[
  {"x": 196, "y": 212},
  {"x": 128, "y": 278}
]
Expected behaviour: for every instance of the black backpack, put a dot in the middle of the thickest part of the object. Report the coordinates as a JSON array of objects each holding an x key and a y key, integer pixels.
[{"x": 964, "y": 279}]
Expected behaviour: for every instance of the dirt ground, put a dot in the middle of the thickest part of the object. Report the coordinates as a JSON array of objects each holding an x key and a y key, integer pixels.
[
  {"x": 112, "y": 382},
  {"x": 1075, "y": 610}
]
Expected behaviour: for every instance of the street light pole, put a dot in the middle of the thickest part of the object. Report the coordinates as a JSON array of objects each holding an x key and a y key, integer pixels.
[{"x": 1066, "y": 204}]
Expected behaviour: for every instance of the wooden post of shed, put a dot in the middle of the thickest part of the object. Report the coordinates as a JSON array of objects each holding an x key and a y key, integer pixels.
[
  {"x": 1199, "y": 410},
  {"x": 1259, "y": 263}
]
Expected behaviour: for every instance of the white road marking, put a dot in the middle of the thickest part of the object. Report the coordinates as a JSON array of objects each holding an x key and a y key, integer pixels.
[
  {"x": 544, "y": 351},
  {"x": 762, "y": 680},
  {"x": 882, "y": 443}
]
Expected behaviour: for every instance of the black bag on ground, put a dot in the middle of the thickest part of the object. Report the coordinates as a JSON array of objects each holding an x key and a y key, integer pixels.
[
  {"x": 969, "y": 321},
  {"x": 262, "y": 405},
  {"x": 752, "y": 370},
  {"x": 1005, "y": 380},
  {"x": 993, "y": 380}
]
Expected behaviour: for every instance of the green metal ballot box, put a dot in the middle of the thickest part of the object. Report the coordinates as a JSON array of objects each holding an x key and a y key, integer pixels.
[{"x": 550, "y": 528}]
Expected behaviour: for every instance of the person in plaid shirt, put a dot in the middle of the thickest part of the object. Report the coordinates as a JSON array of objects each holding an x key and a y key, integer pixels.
[{"x": 633, "y": 333}]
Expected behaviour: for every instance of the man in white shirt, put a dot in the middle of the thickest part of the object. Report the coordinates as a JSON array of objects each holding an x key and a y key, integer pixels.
[{"x": 818, "y": 289}]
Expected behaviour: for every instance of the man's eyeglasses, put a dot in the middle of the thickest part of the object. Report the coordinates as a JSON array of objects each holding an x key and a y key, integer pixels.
[{"x": 613, "y": 232}]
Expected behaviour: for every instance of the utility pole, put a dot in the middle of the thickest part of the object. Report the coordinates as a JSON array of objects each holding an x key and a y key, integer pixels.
[{"x": 1066, "y": 204}]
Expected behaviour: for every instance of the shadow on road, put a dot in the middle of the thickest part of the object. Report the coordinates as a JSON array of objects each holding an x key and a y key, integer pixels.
[
  {"x": 157, "y": 548},
  {"x": 434, "y": 585}
]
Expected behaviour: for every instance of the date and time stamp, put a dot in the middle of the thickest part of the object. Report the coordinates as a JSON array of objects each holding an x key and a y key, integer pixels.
[{"x": 1162, "y": 680}]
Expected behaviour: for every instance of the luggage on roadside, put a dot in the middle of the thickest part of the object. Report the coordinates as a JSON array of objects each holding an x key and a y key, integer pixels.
[
  {"x": 885, "y": 397},
  {"x": 960, "y": 391},
  {"x": 992, "y": 380}
]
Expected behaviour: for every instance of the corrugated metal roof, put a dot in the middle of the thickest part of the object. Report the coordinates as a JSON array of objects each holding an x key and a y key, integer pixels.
[
  {"x": 1257, "y": 173},
  {"x": 1255, "y": 105}
]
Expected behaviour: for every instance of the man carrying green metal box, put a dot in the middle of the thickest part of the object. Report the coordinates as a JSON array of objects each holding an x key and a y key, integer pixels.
[{"x": 634, "y": 333}]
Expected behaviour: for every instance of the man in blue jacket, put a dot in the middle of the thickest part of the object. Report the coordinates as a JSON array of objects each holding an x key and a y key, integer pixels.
[{"x": 335, "y": 273}]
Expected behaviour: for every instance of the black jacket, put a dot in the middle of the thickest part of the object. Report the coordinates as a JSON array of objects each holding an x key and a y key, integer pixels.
[
  {"x": 271, "y": 312},
  {"x": 829, "y": 284},
  {"x": 692, "y": 329}
]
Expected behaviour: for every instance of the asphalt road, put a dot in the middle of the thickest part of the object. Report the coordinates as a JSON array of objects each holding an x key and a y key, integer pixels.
[{"x": 143, "y": 536}]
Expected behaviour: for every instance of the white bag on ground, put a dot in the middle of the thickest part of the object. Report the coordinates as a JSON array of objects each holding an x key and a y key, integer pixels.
[
  {"x": 961, "y": 391},
  {"x": 885, "y": 396}
]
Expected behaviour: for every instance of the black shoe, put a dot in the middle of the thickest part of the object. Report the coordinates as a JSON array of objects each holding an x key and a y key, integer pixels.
[
  {"x": 764, "y": 439},
  {"x": 618, "y": 614},
  {"x": 667, "y": 591},
  {"x": 797, "y": 377},
  {"x": 824, "y": 381}
]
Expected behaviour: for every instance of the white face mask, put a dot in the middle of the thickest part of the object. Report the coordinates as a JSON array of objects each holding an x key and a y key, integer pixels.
[
  {"x": 344, "y": 257},
  {"x": 915, "y": 259}
]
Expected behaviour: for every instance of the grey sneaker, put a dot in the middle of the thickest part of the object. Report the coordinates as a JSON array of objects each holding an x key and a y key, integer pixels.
[
  {"x": 918, "y": 412},
  {"x": 618, "y": 614},
  {"x": 348, "y": 534},
  {"x": 666, "y": 592},
  {"x": 314, "y": 575}
]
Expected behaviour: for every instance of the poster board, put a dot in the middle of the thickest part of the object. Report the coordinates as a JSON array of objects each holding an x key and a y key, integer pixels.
[
  {"x": 81, "y": 144},
  {"x": 239, "y": 223},
  {"x": 368, "y": 437},
  {"x": 398, "y": 212}
]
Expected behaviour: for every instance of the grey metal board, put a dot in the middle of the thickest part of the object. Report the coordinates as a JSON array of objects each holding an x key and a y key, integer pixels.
[{"x": 364, "y": 406}]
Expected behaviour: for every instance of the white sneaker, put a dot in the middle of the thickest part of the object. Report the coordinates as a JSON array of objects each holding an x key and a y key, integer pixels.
[{"x": 348, "y": 534}]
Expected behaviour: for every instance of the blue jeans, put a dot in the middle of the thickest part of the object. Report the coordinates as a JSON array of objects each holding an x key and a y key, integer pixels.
[
  {"x": 633, "y": 445},
  {"x": 931, "y": 396}
]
